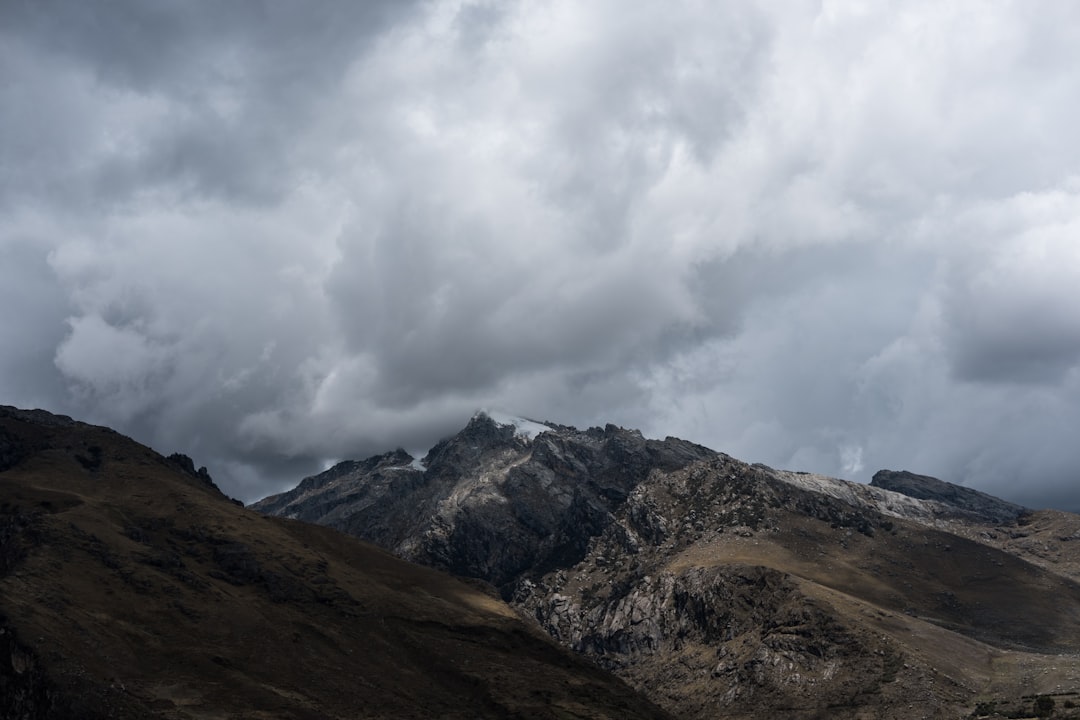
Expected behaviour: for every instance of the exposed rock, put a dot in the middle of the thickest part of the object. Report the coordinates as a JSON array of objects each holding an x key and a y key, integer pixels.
[
  {"x": 717, "y": 587},
  {"x": 186, "y": 465},
  {"x": 967, "y": 500},
  {"x": 744, "y": 637},
  {"x": 491, "y": 503}
]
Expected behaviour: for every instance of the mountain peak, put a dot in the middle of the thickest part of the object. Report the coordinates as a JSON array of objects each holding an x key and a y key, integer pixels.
[
  {"x": 718, "y": 585},
  {"x": 523, "y": 427},
  {"x": 502, "y": 494}
]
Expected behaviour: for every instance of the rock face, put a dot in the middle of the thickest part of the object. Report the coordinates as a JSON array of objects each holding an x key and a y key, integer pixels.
[
  {"x": 966, "y": 501},
  {"x": 489, "y": 502},
  {"x": 723, "y": 589}
]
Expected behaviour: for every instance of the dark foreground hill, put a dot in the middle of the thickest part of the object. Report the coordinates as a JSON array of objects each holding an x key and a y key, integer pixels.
[
  {"x": 722, "y": 589},
  {"x": 131, "y": 588}
]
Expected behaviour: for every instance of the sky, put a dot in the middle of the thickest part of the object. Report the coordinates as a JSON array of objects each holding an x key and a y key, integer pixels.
[{"x": 826, "y": 236}]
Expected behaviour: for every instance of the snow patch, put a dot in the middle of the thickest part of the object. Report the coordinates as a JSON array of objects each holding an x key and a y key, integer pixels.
[
  {"x": 523, "y": 427},
  {"x": 887, "y": 502},
  {"x": 415, "y": 464}
]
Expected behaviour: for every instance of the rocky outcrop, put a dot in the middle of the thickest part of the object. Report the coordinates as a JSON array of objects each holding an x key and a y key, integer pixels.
[
  {"x": 963, "y": 500},
  {"x": 744, "y": 637},
  {"x": 181, "y": 462},
  {"x": 676, "y": 597},
  {"x": 489, "y": 502}
]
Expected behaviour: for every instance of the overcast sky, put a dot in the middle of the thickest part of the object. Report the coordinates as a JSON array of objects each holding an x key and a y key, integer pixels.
[{"x": 826, "y": 236}]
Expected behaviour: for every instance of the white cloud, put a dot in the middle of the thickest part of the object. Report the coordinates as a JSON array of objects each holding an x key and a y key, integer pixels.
[
  {"x": 828, "y": 236},
  {"x": 116, "y": 367}
]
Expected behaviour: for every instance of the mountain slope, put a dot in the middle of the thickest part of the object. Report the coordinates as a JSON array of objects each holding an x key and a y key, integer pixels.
[
  {"x": 723, "y": 589},
  {"x": 131, "y": 588},
  {"x": 492, "y": 502},
  {"x": 802, "y": 604}
]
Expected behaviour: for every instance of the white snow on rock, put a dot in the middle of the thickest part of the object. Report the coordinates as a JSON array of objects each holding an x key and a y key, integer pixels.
[
  {"x": 415, "y": 464},
  {"x": 523, "y": 427},
  {"x": 887, "y": 502}
]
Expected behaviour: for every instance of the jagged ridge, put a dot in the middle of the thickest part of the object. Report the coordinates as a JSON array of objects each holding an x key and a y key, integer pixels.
[
  {"x": 713, "y": 584},
  {"x": 492, "y": 503}
]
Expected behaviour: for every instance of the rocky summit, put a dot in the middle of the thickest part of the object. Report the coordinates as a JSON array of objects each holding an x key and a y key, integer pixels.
[
  {"x": 131, "y": 588},
  {"x": 727, "y": 590},
  {"x": 492, "y": 502}
]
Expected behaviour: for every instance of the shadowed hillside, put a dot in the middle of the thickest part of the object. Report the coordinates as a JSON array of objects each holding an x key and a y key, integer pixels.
[{"x": 131, "y": 588}]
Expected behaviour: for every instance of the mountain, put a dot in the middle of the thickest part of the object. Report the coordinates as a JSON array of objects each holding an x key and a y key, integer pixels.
[
  {"x": 490, "y": 502},
  {"x": 130, "y": 587},
  {"x": 723, "y": 589}
]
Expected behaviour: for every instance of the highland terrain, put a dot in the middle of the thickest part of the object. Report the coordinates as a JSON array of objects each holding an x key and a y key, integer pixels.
[
  {"x": 131, "y": 588},
  {"x": 721, "y": 589}
]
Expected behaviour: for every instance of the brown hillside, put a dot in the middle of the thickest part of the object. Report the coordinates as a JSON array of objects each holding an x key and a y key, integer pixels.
[
  {"x": 130, "y": 588},
  {"x": 766, "y": 600}
]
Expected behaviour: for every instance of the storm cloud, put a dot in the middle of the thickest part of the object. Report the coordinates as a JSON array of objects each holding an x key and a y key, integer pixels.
[{"x": 821, "y": 235}]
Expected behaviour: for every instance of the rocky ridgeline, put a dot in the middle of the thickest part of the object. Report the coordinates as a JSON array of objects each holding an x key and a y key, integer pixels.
[
  {"x": 658, "y": 559},
  {"x": 743, "y": 637},
  {"x": 489, "y": 502},
  {"x": 493, "y": 504},
  {"x": 964, "y": 502}
]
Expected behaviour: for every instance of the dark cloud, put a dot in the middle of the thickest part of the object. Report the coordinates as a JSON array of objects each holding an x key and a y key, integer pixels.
[
  {"x": 1012, "y": 315},
  {"x": 272, "y": 235},
  {"x": 208, "y": 100}
]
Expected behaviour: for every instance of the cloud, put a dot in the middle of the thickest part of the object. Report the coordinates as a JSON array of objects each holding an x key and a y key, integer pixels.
[
  {"x": 831, "y": 237},
  {"x": 1011, "y": 310}
]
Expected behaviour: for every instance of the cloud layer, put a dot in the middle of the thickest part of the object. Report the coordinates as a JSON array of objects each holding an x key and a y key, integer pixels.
[{"x": 824, "y": 236}]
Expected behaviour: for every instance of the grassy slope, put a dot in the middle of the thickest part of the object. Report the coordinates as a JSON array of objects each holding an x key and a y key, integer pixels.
[
  {"x": 912, "y": 620},
  {"x": 141, "y": 591},
  {"x": 983, "y": 622}
]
